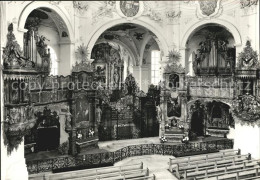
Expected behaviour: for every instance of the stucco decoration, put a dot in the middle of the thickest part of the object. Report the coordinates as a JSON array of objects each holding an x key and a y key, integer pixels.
[
  {"x": 129, "y": 8},
  {"x": 173, "y": 16},
  {"x": 247, "y": 3},
  {"x": 209, "y": 8},
  {"x": 105, "y": 10},
  {"x": 151, "y": 12},
  {"x": 80, "y": 6},
  {"x": 55, "y": 2}
]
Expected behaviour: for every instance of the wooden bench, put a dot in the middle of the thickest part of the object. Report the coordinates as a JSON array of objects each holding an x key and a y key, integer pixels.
[
  {"x": 237, "y": 175},
  {"x": 140, "y": 173},
  {"x": 145, "y": 178},
  {"x": 180, "y": 168},
  {"x": 95, "y": 171},
  {"x": 189, "y": 159},
  {"x": 251, "y": 178},
  {"x": 206, "y": 172}
]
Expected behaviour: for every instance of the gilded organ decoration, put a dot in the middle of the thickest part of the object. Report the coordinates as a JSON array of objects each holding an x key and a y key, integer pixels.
[{"x": 216, "y": 53}]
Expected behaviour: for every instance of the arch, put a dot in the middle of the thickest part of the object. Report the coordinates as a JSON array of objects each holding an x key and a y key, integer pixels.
[
  {"x": 224, "y": 101},
  {"x": 134, "y": 56},
  {"x": 100, "y": 29},
  {"x": 142, "y": 49},
  {"x": 230, "y": 27},
  {"x": 38, "y": 4}
]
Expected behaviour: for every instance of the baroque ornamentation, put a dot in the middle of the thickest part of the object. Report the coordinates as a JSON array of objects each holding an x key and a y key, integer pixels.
[
  {"x": 83, "y": 66},
  {"x": 129, "y": 8},
  {"x": 246, "y": 108},
  {"x": 130, "y": 84},
  {"x": 18, "y": 123},
  {"x": 13, "y": 55},
  {"x": 80, "y": 5},
  {"x": 151, "y": 13},
  {"x": 247, "y": 3},
  {"x": 171, "y": 15},
  {"x": 208, "y": 7},
  {"x": 173, "y": 62},
  {"x": 248, "y": 58},
  {"x": 82, "y": 53},
  {"x": 55, "y": 2},
  {"x": 106, "y": 10}
]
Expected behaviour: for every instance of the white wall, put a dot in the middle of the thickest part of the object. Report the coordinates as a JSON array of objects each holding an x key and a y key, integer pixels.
[{"x": 246, "y": 138}]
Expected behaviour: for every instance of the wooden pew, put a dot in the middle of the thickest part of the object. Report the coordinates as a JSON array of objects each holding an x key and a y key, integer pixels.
[
  {"x": 140, "y": 173},
  {"x": 251, "y": 178},
  {"x": 94, "y": 171},
  {"x": 227, "y": 168},
  {"x": 173, "y": 162},
  {"x": 145, "y": 178},
  {"x": 250, "y": 173},
  {"x": 180, "y": 168}
]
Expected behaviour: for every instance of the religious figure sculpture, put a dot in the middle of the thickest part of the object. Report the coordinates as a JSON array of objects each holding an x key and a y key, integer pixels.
[
  {"x": 98, "y": 114},
  {"x": 116, "y": 78},
  {"x": 159, "y": 113},
  {"x": 68, "y": 120}
]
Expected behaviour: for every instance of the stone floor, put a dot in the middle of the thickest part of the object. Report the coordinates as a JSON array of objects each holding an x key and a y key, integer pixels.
[{"x": 157, "y": 165}]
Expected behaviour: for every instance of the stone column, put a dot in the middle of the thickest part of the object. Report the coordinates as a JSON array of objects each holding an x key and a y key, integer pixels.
[
  {"x": 66, "y": 58},
  {"x": 136, "y": 74},
  {"x": 144, "y": 78},
  {"x": 15, "y": 164}
]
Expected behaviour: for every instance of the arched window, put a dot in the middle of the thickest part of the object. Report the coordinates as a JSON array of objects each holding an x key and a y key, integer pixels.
[
  {"x": 155, "y": 67},
  {"x": 54, "y": 62}
]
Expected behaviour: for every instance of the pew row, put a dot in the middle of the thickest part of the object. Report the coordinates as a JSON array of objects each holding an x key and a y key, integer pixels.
[
  {"x": 189, "y": 159},
  {"x": 140, "y": 173},
  {"x": 95, "y": 171},
  {"x": 182, "y": 168},
  {"x": 248, "y": 174},
  {"x": 205, "y": 173}
]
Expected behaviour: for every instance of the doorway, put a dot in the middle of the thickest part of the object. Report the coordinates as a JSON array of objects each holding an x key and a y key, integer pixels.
[{"x": 197, "y": 123}]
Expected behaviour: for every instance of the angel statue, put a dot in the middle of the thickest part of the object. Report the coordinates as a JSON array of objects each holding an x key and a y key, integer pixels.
[{"x": 159, "y": 113}]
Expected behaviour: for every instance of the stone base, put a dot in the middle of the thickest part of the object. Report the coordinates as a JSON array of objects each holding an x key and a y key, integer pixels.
[
  {"x": 218, "y": 132},
  {"x": 174, "y": 137},
  {"x": 89, "y": 143}
]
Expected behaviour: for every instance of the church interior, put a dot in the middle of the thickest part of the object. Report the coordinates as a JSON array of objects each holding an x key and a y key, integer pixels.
[{"x": 140, "y": 90}]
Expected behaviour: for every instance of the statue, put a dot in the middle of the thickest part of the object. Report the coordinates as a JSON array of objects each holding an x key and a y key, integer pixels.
[
  {"x": 116, "y": 78},
  {"x": 159, "y": 113},
  {"x": 68, "y": 120},
  {"x": 98, "y": 114}
]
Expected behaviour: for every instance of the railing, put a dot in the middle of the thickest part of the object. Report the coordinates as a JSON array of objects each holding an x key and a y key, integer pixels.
[{"x": 99, "y": 159}]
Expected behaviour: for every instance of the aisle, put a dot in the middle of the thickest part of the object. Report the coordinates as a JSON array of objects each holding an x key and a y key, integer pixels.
[{"x": 157, "y": 164}]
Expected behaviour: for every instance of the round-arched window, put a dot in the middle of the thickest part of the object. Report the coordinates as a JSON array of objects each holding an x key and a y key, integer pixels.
[{"x": 53, "y": 62}]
